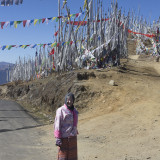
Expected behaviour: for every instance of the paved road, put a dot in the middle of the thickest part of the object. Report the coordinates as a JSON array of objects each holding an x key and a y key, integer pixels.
[{"x": 19, "y": 134}]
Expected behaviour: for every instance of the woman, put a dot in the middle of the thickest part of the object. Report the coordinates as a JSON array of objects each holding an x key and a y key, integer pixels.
[{"x": 65, "y": 129}]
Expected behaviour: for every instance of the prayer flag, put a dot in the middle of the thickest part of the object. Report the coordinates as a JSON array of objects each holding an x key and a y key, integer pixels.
[
  {"x": 9, "y": 47},
  {"x": 43, "y": 19},
  {"x": 24, "y": 23},
  {"x": 34, "y": 46},
  {"x": 85, "y": 4},
  {"x": 55, "y": 44},
  {"x": 2, "y": 24},
  {"x": 71, "y": 42},
  {"x": 26, "y": 46},
  {"x": 67, "y": 43},
  {"x": 52, "y": 44},
  {"x": 35, "y": 21},
  {"x": 74, "y": 15},
  {"x": 3, "y": 47},
  {"x": 11, "y": 23},
  {"x": 31, "y": 21},
  {"x": 19, "y": 22},
  {"x": 47, "y": 20},
  {"x": 64, "y": 2},
  {"x": 52, "y": 52},
  {"x": 31, "y": 46},
  {"x": 7, "y": 23},
  {"x": 15, "y": 24},
  {"x": 40, "y": 21},
  {"x": 56, "y": 33},
  {"x": 53, "y": 18},
  {"x": 57, "y": 19},
  {"x": 77, "y": 14},
  {"x": 28, "y": 23},
  {"x": 40, "y": 45}
]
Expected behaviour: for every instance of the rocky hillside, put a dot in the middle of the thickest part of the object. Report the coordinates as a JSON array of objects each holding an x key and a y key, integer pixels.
[{"x": 42, "y": 97}]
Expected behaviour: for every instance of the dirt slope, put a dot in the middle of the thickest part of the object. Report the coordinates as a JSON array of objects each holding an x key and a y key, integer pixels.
[{"x": 120, "y": 122}]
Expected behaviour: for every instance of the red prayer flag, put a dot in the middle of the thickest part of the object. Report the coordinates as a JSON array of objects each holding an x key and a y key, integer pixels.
[
  {"x": 56, "y": 33},
  {"x": 24, "y": 23},
  {"x": 52, "y": 52},
  {"x": 2, "y": 24},
  {"x": 71, "y": 42},
  {"x": 43, "y": 20}
]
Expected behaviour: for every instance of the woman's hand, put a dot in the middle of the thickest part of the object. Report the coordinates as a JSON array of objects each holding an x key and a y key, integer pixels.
[{"x": 58, "y": 142}]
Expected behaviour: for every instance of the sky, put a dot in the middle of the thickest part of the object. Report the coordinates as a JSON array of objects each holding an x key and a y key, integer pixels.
[{"x": 44, "y": 33}]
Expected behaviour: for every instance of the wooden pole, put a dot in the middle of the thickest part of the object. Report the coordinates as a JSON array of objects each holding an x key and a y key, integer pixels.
[
  {"x": 59, "y": 21},
  {"x": 88, "y": 29}
]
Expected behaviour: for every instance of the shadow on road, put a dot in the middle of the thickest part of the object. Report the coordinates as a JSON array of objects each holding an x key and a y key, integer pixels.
[
  {"x": 10, "y": 130},
  {"x": 12, "y": 110},
  {"x": 15, "y": 117}
]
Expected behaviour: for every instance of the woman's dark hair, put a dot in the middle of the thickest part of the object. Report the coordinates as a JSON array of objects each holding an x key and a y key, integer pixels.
[{"x": 69, "y": 95}]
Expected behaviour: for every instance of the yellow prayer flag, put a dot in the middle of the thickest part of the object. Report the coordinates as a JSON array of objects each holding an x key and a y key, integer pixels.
[
  {"x": 35, "y": 21},
  {"x": 52, "y": 44},
  {"x": 7, "y": 46},
  {"x": 85, "y": 4},
  {"x": 15, "y": 24},
  {"x": 22, "y": 46},
  {"x": 70, "y": 16},
  {"x": 54, "y": 18}
]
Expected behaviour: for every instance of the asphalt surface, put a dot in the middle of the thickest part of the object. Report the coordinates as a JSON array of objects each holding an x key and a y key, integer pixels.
[{"x": 19, "y": 134}]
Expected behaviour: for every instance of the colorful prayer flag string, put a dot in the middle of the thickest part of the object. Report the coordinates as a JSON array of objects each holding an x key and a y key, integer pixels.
[{"x": 34, "y": 21}]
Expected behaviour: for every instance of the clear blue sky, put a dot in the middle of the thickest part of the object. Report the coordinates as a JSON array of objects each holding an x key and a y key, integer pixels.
[{"x": 43, "y": 33}]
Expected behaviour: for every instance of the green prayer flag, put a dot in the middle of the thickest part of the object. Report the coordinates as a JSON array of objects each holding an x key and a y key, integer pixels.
[
  {"x": 55, "y": 45},
  {"x": 9, "y": 47},
  {"x": 40, "y": 20},
  {"x": 19, "y": 22},
  {"x": 41, "y": 45},
  {"x": 57, "y": 19},
  {"x": 73, "y": 15},
  {"x": 25, "y": 46}
]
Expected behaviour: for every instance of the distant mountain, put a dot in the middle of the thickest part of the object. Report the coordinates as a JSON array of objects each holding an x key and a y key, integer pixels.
[
  {"x": 5, "y": 65},
  {"x": 3, "y": 71}
]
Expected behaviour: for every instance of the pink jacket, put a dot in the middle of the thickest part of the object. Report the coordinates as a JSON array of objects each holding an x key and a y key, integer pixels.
[{"x": 65, "y": 124}]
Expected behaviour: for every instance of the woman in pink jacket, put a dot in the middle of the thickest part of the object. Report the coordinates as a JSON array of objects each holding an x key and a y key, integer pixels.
[{"x": 65, "y": 129}]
